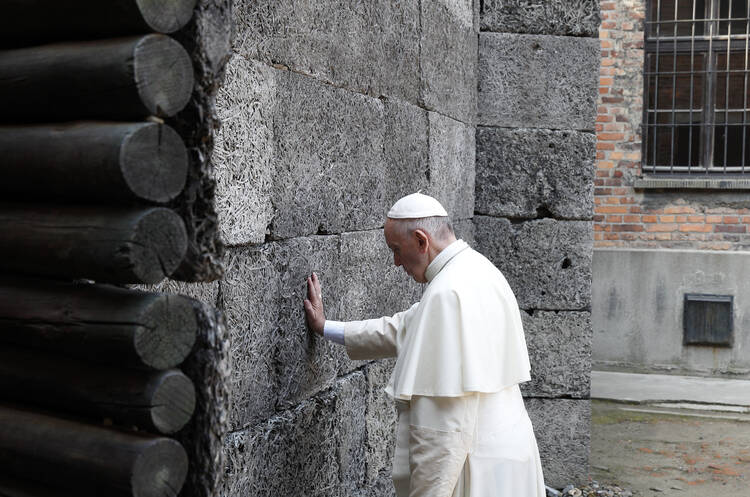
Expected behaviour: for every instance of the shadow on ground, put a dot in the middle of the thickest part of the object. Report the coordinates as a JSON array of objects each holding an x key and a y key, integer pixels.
[{"x": 662, "y": 450}]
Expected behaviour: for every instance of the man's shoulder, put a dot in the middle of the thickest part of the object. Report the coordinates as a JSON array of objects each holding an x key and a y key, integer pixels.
[{"x": 472, "y": 263}]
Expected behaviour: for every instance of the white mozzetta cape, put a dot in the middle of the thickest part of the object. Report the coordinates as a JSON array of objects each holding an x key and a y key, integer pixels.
[{"x": 465, "y": 335}]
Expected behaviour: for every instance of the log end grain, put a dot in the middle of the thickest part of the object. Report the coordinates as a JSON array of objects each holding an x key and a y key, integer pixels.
[
  {"x": 160, "y": 470},
  {"x": 169, "y": 332},
  {"x": 166, "y": 16},
  {"x": 154, "y": 162},
  {"x": 163, "y": 74},
  {"x": 159, "y": 244},
  {"x": 172, "y": 400}
]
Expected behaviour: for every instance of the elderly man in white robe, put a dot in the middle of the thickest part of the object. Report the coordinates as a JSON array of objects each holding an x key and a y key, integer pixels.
[{"x": 460, "y": 354}]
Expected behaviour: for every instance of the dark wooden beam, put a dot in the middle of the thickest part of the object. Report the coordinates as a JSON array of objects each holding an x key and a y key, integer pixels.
[
  {"x": 92, "y": 161},
  {"x": 15, "y": 487},
  {"x": 117, "y": 79},
  {"x": 99, "y": 323},
  {"x": 90, "y": 460},
  {"x": 160, "y": 401},
  {"x": 29, "y": 21},
  {"x": 106, "y": 244}
]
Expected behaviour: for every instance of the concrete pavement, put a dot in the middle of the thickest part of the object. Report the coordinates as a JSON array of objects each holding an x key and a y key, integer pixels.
[{"x": 651, "y": 388}]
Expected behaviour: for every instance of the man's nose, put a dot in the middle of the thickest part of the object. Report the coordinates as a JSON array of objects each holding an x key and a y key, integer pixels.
[{"x": 396, "y": 260}]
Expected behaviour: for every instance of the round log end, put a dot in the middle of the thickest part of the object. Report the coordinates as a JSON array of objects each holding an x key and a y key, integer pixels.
[
  {"x": 166, "y": 16},
  {"x": 160, "y": 470},
  {"x": 159, "y": 245},
  {"x": 163, "y": 74},
  {"x": 154, "y": 162},
  {"x": 173, "y": 399},
  {"x": 169, "y": 332}
]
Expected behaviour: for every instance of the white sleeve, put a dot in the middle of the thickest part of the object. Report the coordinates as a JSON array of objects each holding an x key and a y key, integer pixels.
[
  {"x": 376, "y": 338},
  {"x": 334, "y": 331}
]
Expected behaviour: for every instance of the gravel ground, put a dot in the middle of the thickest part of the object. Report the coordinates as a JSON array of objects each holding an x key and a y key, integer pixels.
[
  {"x": 664, "y": 452},
  {"x": 593, "y": 489}
]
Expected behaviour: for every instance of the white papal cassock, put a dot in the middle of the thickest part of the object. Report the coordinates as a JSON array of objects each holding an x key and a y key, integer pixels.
[{"x": 462, "y": 428}]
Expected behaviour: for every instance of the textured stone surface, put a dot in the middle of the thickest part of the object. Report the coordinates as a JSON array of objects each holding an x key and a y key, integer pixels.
[
  {"x": 380, "y": 421},
  {"x": 247, "y": 297},
  {"x": 452, "y": 164},
  {"x": 370, "y": 47},
  {"x": 275, "y": 361},
  {"x": 406, "y": 149},
  {"x": 534, "y": 81},
  {"x": 449, "y": 58},
  {"x": 464, "y": 228},
  {"x": 562, "y": 428},
  {"x": 551, "y": 17},
  {"x": 244, "y": 150},
  {"x": 352, "y": 394},
  {"x": 313, "y": 449},
  {"x": 522, "y": 173},
  {"x": 559, "y": 346},
  {"x": 546, "y": 262},
  {"x": 297, "y": 157},
  {"x": 329, "y": 168}
]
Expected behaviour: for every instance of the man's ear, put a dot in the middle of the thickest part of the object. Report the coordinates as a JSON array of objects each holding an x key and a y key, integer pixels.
[{"x": 423, "y": 240}]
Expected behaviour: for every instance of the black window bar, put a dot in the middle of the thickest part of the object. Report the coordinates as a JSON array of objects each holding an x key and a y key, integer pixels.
[{"x": 696, "y": 87}]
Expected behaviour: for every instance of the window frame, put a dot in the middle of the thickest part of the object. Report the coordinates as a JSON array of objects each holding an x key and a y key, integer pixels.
[{"x": 710, "y": 47}]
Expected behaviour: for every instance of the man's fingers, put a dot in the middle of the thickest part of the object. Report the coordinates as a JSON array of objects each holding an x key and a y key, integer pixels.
[
  {"x": 316, "y": 281},
  {"x": 311, "y": 293}
]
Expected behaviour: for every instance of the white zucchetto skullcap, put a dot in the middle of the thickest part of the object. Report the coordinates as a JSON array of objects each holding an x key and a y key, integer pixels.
[{"x": 416, "y": 206}]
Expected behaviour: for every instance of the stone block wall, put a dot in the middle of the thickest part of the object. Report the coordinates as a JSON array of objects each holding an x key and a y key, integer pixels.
[
  {"x": 537, "y": 91},
  {"x": 627, "y": 216},
  {"x": 330, "y": 111}
]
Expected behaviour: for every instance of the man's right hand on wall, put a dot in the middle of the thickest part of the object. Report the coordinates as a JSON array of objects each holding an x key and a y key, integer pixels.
[{"x": 314, "y": 314}]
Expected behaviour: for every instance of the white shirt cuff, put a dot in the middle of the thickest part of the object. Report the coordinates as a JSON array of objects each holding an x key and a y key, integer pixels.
[{"x": 334, "y": 331}]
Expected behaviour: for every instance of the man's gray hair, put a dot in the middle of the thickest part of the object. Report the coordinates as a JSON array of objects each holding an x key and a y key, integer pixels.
[{"x": 438, "y": 227}]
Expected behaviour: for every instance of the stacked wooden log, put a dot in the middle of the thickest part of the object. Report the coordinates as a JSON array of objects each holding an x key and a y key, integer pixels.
[{"x": 90, "y": 385}]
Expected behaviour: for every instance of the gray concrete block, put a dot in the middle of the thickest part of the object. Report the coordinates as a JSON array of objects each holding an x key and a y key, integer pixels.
[
  {"x": 522, "y": 173},
  {"x": 304, "y": 364},
  {"x": 371, "y": 48},
  {"x": 406, "y": 149},
  {"x": 562, "y": 428},
  {"x": 464, "y": 229},
  {"x": 351, "y": 394},
  {"x": 536, "y": 81},
  {"x": 370, "y": 285},
  {"x": 546, "y": 262},
  {"x": 550, "y": 17},
  {"x": 276, "y": 362},
  {"x": 244, "y": 150},
  {"x": 380, "y": 421},
  {"x": 328, "y": 159},
  {"x": 452, "y": 165},
  {"x": 314, "y": 449},
  {"x": 559, "y": 346},
  {"x": 247, "y": 298},
  {"x": 448, "y": 59}
]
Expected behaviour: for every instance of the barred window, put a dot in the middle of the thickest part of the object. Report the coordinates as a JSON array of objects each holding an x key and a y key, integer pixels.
[{"x": 696, "y": 87}]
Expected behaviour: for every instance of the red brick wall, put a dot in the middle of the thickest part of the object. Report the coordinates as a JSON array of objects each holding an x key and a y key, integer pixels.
[{"x": 624, "y": 217}]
